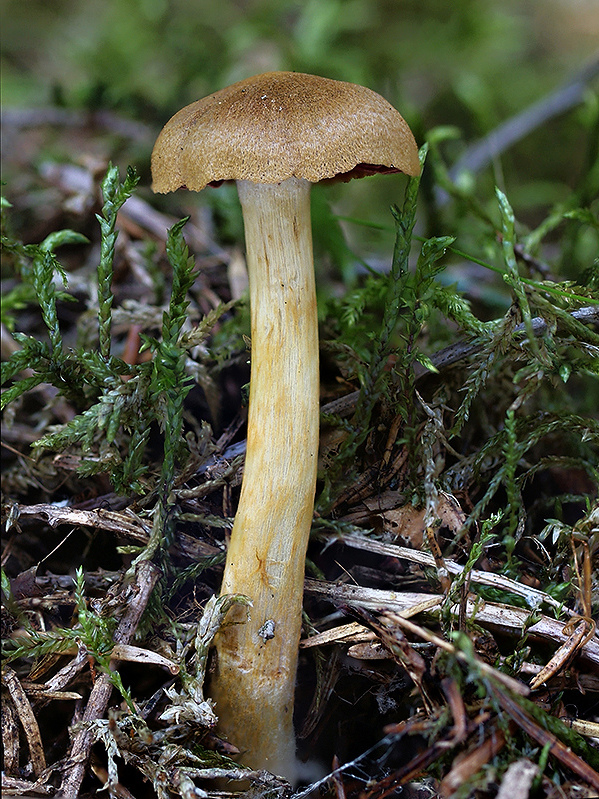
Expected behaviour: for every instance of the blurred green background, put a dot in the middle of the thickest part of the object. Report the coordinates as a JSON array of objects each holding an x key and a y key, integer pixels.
[
  {"x": 464, "y": 63},
  {"x": 476, "y": 60}
]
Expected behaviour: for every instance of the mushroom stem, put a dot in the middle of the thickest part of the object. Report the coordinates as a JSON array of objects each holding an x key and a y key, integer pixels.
[{"x": 257, "y": 660}]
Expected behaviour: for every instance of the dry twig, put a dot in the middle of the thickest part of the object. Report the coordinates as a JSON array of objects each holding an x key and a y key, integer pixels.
[{"x": 145, "y": 579}]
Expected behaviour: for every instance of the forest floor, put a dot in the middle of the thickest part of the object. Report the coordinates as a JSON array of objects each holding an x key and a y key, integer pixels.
[{"x": 449, "y": 646}]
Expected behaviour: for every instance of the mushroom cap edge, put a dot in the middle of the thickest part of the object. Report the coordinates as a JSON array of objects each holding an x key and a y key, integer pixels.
[{"x": 278, "y": 125}]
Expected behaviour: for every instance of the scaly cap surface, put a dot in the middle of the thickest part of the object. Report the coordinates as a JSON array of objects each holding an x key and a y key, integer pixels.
[{"x": 278, "y": 125}]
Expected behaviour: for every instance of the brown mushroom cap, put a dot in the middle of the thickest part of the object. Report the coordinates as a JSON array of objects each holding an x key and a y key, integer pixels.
[{"x": 280, "y": 125}]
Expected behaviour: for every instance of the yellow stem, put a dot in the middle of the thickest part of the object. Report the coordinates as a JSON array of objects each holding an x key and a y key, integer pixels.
[{"x": 257, "y": 660}]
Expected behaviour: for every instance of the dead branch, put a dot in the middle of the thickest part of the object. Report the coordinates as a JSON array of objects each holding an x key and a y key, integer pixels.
[{"x": 145, "y": 579}]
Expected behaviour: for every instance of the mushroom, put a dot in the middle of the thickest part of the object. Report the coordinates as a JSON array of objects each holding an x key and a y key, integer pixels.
[{"x": 275, "y": 134}]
